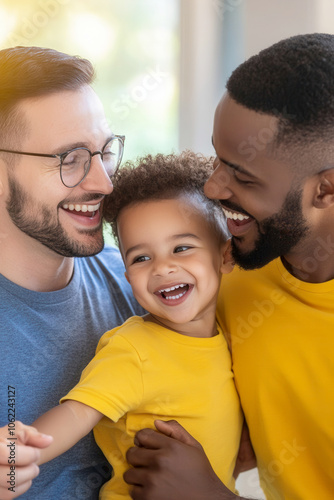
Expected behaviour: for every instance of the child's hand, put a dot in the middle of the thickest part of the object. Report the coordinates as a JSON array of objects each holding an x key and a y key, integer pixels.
[{"x": 19, "y": 452}]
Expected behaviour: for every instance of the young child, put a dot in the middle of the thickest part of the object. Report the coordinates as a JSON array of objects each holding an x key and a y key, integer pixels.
[{"x": 174, "y": 362}]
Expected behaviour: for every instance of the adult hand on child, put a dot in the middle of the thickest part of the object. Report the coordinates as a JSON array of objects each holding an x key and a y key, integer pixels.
[
  {"x": 172, "y": 464},
  {"x": 18, "y": 456}
]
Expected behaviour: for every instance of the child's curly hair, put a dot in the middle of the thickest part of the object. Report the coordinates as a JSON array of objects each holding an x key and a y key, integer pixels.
[{"x": 163, "y": 177}]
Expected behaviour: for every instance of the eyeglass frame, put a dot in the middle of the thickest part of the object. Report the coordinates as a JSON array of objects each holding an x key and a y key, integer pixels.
[{"x": 61, "y": 156}]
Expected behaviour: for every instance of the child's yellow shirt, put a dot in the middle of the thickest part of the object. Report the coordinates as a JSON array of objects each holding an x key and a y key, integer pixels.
[{"x": 143, "y": 371}]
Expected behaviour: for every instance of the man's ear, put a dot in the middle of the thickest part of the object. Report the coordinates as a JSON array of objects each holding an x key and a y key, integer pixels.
[
  {"x": 227, "y": 262},
  {"x": 324, "y": 194}
]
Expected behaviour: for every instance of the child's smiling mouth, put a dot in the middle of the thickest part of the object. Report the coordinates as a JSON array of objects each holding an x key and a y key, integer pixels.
[{"x": 174, "y": 294}]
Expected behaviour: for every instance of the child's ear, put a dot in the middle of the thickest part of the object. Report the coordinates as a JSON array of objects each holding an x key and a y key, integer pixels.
[
  {"x": 227, "y": 262},
  {"x": 127, "y": 277}
]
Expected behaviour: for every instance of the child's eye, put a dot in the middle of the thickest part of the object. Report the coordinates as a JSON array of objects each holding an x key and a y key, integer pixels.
[
  {"x": 141, "y": 258},
  {"x": 181, "y": 248}
]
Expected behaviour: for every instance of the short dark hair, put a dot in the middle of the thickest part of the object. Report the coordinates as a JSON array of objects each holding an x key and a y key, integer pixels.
[
  {"x": 292, "y": 80},
  {"x": 163, "y": 177},
  {"x": 27, "y": 72}
]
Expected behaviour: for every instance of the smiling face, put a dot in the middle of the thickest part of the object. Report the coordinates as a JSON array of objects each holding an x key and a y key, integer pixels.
[
  {"x": 173, "y": 261},
  {"x": 38, "y": 207},
  {"x": 258, "y": 192}
]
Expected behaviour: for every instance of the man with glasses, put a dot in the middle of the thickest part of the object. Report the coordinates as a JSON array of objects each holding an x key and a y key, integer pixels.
[{"x": 59, "y": 289}]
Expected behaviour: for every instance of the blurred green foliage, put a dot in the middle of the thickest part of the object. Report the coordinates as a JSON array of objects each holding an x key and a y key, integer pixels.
[{"x": 134, "y": 47}]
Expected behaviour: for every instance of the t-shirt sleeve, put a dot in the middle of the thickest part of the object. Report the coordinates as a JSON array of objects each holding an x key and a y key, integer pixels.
[{"x": 112, "y": 382}]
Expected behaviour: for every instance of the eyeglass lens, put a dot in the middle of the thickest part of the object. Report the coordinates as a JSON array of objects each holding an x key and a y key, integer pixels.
[{"x": 75, "y": 165}]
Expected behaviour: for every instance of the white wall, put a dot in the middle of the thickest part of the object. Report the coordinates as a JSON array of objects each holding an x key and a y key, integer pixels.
[
  {"x": 267, "y": 22},
  {"x": 217, "y": 35},
  {"x": 200, "y": 73}
]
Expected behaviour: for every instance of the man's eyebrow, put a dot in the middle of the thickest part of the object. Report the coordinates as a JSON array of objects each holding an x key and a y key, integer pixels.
[
  {"x": 236, "y": 167},
  {"x": 68, "y": 147},
  {"x": 82, "y": 144}
]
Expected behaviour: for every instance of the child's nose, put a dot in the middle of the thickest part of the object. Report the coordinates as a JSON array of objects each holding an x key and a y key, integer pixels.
[{"x": 163, "y": 267}]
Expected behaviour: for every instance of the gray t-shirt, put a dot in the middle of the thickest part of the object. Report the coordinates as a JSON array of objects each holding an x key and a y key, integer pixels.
[{"x": 46, "y": 341}]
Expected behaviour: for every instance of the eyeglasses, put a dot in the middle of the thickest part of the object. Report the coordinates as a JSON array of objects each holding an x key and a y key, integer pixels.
[{"x": 75, "y": 163}]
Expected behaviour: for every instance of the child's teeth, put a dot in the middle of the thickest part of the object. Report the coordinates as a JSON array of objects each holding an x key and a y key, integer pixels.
[
  {"x": 175, "y": 296},
  {"x": 172, "y": 288}
]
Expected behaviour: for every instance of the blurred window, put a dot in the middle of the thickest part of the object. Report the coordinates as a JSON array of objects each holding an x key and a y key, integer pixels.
[{"x": 134, "y": 46}]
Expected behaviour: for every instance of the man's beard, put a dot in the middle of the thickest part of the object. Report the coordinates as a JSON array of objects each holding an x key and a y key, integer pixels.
[
  {"x": 278, "y": 235},
  {"x": 45, "y": 227}
]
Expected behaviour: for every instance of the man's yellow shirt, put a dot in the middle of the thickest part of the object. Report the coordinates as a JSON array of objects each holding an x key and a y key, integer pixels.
[{"x": 281, "y": 331}]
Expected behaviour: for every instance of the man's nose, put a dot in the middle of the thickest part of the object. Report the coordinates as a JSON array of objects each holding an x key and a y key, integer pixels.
[
  {"x": 97, "y": 179},
  {"x": 217, "y": 186}
]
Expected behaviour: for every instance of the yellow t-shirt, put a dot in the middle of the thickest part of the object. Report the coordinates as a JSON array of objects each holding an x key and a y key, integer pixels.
[
  {"x": 282, "y": 336},
  {"x": 141, "y": 372}
]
